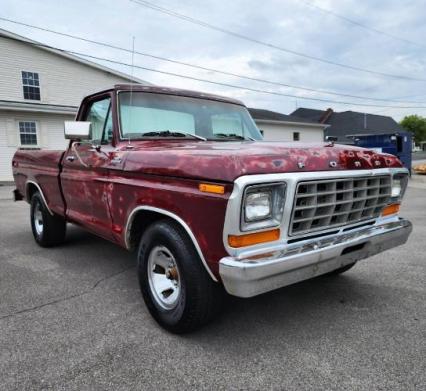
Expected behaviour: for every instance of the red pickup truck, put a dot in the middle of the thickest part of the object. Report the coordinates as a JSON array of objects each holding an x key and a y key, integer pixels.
[{"x": 185, "y": 180}]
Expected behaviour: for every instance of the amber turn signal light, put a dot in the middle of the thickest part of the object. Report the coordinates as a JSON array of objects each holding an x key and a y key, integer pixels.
[
  {"x": 254, "y": 238},
  {"x": 208, "y": 188},
  {"x": 390, "y": 210}
]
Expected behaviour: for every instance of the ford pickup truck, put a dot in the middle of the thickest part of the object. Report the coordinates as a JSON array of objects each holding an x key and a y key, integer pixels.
[{"x": 184, "y": 179}]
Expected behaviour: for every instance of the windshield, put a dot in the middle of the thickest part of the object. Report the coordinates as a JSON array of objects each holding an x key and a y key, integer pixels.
[{"x": 151, "y": 115}]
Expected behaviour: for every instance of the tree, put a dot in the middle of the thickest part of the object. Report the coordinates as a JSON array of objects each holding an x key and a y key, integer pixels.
[{"x": 416, "y": 125}]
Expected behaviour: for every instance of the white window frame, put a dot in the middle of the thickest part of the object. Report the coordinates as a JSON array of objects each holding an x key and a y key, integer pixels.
[
  {"x": 32, "y": 86},
  {"x": 37, "y": 133}
]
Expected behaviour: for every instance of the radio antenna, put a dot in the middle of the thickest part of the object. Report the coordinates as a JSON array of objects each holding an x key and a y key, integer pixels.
[{"x": 131, "y": 86}]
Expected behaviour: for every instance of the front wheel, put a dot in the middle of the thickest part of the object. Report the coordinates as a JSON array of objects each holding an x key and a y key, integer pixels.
[
  {"x": 176, "y": 288},
  {"x": 48, "y": 230}
]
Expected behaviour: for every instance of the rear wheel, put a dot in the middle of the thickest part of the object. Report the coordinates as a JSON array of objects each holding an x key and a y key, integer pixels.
[
  {"x": 178, "y": 291},
  {"x": 48, "y": 230}
]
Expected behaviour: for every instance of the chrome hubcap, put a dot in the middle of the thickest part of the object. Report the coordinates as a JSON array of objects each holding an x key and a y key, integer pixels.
[
  {"x": 38, "y": 219},
  {"x": 164, "y": 277}
]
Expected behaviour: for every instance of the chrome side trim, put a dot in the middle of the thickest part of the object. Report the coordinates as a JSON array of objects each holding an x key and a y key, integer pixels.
[
  {"x": 41, "y": 193},
  {"x": 174, "y": 217}
]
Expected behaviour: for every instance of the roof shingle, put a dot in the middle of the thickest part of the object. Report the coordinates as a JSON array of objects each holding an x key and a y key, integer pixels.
[
  {"x": 268, "y": 115},
  {"x": 348, "y": 123}
]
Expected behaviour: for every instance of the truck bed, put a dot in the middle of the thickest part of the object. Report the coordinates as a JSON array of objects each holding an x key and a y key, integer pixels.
[{"x": 39, "y": 170}]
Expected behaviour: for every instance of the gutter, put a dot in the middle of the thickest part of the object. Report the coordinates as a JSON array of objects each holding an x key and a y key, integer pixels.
[
  {"x": 37, "y": 107},
  {"x": 269, "y": 121}
]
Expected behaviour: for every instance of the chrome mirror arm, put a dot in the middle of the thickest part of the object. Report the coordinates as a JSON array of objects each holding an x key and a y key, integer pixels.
[{"x": 74, "y": 149}]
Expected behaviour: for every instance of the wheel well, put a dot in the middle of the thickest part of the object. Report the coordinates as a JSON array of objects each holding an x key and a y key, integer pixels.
[
  {"x": 31, "y": 189},
  {"x": 140, "y": 222},
  {"x": 143, "y": 218}
]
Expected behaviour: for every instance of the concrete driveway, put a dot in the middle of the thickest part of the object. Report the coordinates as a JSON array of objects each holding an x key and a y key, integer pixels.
[{"x": 72, "y": 318}]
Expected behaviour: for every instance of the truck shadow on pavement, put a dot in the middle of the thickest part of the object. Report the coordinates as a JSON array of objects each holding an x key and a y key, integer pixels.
[{"x": 305, "y": 309}]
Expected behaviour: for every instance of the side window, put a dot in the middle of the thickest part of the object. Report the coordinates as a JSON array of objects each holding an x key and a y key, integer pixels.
[
  {"x": 31, "y": 85},
  {"x": 100, "y": 118},
  {"x": 107, "y": 134},
  {"x": 28, "y": 133}
]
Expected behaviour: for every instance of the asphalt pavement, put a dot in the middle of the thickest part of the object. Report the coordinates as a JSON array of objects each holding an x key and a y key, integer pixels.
[
  {"x": 72, "y": 318},
  {"x": 421, "y": 155}
]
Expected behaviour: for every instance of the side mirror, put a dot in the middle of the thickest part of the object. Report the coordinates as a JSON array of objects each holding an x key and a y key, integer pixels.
[{"x": 77, "y": 130}]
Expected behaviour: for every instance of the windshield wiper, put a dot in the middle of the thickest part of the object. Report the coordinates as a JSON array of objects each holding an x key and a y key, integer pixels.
[
  {"x": 233, "y": 136},
  {"x": 172, "y": 133}
]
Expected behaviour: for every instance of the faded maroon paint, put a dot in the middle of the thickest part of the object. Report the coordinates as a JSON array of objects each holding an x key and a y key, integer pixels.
[
  {"x": 203, "y": 213},
  {"x": 174, "y": 91},
  {"x": 226, "y": 161},
  {"x": 83, "y": 190},
  {"x": 101, "y": 193},
  {"x": 41, "y": 167}
]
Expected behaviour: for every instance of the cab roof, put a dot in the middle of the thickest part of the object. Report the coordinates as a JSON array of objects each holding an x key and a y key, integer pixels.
[{"x": 176, "y": 92}]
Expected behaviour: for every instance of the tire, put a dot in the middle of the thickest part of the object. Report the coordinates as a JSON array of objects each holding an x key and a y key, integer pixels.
[
  {"x": 47, "y": 230},
  {"x": 179, "y": 293},
  {"x": 341, "y": 270}
]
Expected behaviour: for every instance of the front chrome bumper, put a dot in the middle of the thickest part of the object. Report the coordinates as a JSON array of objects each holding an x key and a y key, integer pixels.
[{"x": 301, "y": 261}]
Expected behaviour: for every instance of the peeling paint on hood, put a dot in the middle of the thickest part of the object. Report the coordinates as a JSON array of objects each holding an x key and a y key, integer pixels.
[{"x": 226, "y": 161}]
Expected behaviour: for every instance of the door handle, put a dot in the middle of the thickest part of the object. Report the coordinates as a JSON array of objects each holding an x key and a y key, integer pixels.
[{"x": 70, "y": 158}]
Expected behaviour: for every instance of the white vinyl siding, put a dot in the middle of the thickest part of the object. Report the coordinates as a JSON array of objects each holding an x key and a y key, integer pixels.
[
  {"x": 62, "y": 80},
  {"x": 286, "y": 132},
  {"x": 50, "y": 134}
]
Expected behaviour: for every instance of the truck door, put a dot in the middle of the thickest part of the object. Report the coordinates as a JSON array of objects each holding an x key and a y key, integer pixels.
[{"x": 86, "y": 167}]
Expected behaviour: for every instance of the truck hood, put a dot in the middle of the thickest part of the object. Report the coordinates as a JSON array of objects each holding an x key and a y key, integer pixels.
[{"x": 226, "y": 161}]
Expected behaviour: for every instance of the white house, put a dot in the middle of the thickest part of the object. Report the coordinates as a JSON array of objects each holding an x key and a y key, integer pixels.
[
  {"x": 40, "y": 88},
  {"x": 282, "y": 127}
]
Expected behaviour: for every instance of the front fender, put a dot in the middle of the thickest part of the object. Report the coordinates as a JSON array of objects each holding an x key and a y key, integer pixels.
[{"x": 201, "y": 214}]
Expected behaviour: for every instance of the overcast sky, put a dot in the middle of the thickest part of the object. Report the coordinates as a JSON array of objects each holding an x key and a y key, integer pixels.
[{"x": 290, "y": 24}]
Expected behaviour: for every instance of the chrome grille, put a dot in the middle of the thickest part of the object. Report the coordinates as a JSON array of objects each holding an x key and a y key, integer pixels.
[{"x": 323, "y": 204}]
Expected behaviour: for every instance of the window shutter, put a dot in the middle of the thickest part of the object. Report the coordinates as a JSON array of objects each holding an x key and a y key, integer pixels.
[
  {"x": 43, "y": 135},
  {"x": 12, "y": 135}
]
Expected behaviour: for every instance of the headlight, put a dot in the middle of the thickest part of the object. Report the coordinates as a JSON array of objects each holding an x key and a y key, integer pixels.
[
  {"x": 263, "y": 206},
  {"x": 258, "y": 206},
  {"x": 399, "y": 184},
  {"x": 396, "y": 188}
]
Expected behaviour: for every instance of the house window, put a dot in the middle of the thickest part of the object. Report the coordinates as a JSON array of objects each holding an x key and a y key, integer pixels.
[
  {"x": 296, "y": 136},
  {"x": 31, "y": 85},
  {"x": 28, "y": 133}
]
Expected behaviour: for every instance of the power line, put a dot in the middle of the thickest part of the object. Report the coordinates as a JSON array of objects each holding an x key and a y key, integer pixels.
[
  {"x": 248, "y": 88},
  {"x": 267, "y": 44},
  {"x": 211, "y": 81},
  {"x": 281, "y": 84},
  {"x": 409, "y": 97},
  {"x": 358, "y": 24}
]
